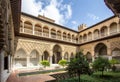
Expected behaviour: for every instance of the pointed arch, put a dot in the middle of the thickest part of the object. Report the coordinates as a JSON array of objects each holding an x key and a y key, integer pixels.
[
  {"x": 100, "y": 50},
  {"x": 45, "y": 55},
  {"x": 57, "y": 54},
  {"x": 20, "y": 58},
  {"x": 116, "y": 53},
  {"x": 34, "y": 58},
  {"x": 66, "y": 56}
]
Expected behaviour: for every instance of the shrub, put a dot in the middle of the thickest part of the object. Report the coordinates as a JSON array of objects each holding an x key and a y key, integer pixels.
[
  {"x": 45, "y": 63},
  {"x": 100, "y": 64},
  {"x": 78, "y": 65},
  {"x": 62, "y": 63},
  {"x": 113, "y": 62}
]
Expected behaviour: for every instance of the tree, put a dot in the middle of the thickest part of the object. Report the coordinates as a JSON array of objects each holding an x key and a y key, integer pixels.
[
  {"x": 113, "y": 62},
  {"x": 62, "y": 63},
  {"x": 78, "y": 65},
  {"x": 45, "y": 63},
  {"x": 100, "y": 64}
]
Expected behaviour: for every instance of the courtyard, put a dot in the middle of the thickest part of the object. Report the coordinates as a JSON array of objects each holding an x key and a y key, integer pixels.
[{"x": 59, "y": 41}]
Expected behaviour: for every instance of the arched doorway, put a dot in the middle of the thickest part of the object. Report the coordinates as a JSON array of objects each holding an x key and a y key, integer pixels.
[
  {"x": 66, "y": 56},
  {"x": 116, "y": 54},
  {"x": 20, "y": 58},
  {"x": 101, "y": 50},
  {"x": 72, "y": 56},
  {"x": 45, "y": 56},
  {"x": 56, "y": 54},
  {"x": 89, "y": 57},
  {"x": 34, "y": 58}
]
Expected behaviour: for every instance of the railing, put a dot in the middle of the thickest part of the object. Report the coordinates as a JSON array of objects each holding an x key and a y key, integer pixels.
[
  {"x": 113, "y": 32},
  {"x": 25, "y": 30},
  {"x": 96, "y": 37},
  {"x": 89, "y": 39},
  {"x": 53, "y": 36},
  {"x": 38, "y": 33},
  {"x": 28, "y": 31},
  {"x": 69, "y": 39},
  {"x": 45, "y": 34},
  {"x": 103, "y": 34},
  {"x": 74, "y": 41},
  {"x": 59, "y": 37},
  {"x": 64, "y": 38}
]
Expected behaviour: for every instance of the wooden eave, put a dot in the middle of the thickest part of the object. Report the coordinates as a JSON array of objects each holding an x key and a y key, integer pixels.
[{"x": 16, "y": 12}]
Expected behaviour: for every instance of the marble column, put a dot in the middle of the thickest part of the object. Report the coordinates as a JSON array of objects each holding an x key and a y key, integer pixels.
[
  {"x": 40, "y": 59},
  {"x": 28, "y": 61},
  {"x": 50, "y": 59}
]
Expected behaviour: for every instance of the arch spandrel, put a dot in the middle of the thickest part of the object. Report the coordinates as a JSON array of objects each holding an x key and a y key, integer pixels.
[
  {"x": 57, "y": 54},
  {"x": 23, "y": 49},
  {"x": 52, "y": 46},
  {"x": 34, "y": 51}
]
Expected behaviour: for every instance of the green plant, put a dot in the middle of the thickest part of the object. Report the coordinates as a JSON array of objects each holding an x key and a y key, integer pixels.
[
  {"x": 45, "y": 63},
  {"x": 62, "y": 63},
  {"x": 100, "y": 64},
  {"x": 113, "y": 62},
  {"x": 78, "y": 65}
]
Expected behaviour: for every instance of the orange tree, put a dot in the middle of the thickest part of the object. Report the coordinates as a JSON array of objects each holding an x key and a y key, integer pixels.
[
  {"x": 100, "y": 64},
  {"x": 78, "y": 65}
]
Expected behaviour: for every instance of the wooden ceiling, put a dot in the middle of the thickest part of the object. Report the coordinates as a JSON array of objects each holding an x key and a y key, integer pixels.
[
  {"x": 114, "y": 5},
  {"x": 16, "y": 12}
]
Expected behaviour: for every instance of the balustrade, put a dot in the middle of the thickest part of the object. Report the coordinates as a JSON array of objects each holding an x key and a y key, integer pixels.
[
  {"x": 28, "y": 31},
  {"x": 46, "y": 34},
  {"x": 21, "y": 30},
  {"x": 59, "y": 37},
  {"x": 103, "y": 35},
  {"x": 113, "y": 32},
  {"x": 53, "y": 36},
  {"x": 38, "y": 33}
]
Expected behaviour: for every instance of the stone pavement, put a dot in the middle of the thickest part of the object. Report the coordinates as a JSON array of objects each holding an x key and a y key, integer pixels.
[{"x": 31, "y": 78}]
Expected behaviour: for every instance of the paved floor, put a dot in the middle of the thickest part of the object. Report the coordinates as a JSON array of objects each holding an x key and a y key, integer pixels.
[{"x": 32, "y": 78}]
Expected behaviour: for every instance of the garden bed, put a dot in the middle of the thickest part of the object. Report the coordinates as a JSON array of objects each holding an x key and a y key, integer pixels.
[{"x": 96, "y": 77}]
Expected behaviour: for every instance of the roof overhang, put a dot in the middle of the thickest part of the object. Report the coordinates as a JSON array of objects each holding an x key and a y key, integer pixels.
[
  {"x": 114, "y": 5},
  {"x": 16, "y": 12}
]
